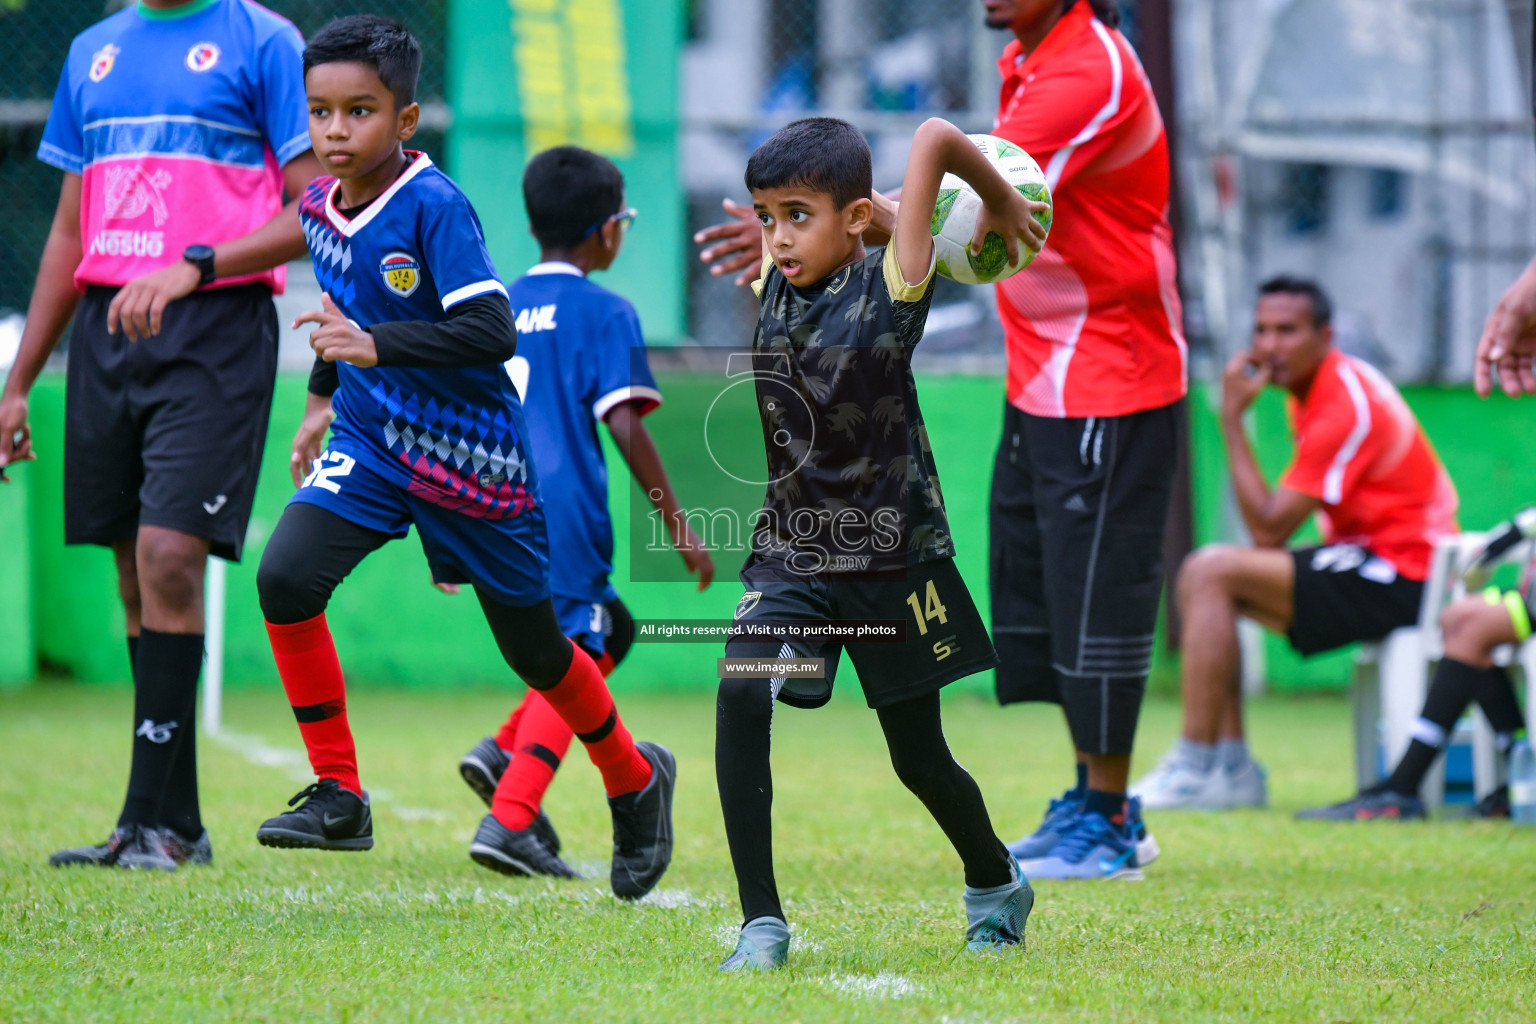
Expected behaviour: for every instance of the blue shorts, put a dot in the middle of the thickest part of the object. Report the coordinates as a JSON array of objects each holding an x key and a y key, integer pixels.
[
  {"x": 586, "y": 622},
  {"x": 508, "y": 558}
]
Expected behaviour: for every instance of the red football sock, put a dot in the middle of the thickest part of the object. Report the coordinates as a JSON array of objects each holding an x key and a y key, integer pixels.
[
  {"x": 311, "y": 674},
  {"x": 506, "y": 736},
  {"x": 582, "y": 700},
  {"x": 542, "y": 740}
]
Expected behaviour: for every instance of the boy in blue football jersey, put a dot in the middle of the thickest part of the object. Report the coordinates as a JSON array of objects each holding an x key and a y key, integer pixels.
[
  {"x": 580, "y": 362},
  {"x": 428, "y": 430}
]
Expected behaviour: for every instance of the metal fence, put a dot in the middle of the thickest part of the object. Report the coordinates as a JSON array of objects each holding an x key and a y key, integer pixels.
[
  {"x": 1383, "y": 147},
  {"x": 34, "y": 38}
]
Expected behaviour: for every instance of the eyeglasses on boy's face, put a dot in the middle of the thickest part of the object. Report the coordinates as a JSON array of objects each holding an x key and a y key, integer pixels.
[{"x": 624, "y": 218}]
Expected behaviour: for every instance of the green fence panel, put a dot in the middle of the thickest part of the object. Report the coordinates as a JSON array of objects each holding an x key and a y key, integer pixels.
[
  {"x": 393, "y": 628},
  {"x": 530, "y": 74}
]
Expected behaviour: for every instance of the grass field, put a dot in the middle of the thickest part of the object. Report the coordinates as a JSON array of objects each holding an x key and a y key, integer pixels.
[{"x": 1246, "y": 915}]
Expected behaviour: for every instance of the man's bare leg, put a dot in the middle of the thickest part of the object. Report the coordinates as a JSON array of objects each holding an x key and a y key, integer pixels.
[{"x": 1216, "y": 585}]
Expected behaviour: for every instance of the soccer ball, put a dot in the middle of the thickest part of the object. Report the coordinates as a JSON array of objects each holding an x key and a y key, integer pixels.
[{"x": 958, "y": 206}]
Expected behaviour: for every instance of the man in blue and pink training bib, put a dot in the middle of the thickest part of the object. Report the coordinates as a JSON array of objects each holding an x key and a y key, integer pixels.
[{"x": 179, "y": 125}]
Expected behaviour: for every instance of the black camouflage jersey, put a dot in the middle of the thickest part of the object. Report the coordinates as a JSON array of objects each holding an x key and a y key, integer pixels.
[{"x": 853, "y": 485}]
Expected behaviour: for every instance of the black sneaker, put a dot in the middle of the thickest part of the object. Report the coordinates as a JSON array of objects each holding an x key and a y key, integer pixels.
[
  {"x": 545, "y": 830},
  {"x": 515, "y": 853},
  {"x": 330, "y": 818},
  {"x": 1368, "y": 806},
  {"x": 145, "y": 851},
  {"x": 642, "y": 827},
  {"x": 482, "y": 768},
  {"x": 197, "y": 852},
  {"x": 1494, "y": 805},
  {"x": 102, "y": 855}
]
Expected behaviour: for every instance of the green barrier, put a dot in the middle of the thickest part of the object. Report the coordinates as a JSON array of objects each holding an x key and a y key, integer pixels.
[{"x": 392, "y": 628}]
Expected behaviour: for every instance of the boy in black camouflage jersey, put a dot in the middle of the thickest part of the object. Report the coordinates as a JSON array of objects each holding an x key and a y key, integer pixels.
[{"x": 853, "y": 526}]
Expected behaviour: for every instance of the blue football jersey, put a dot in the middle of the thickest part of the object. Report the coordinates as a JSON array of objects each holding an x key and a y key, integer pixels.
[
  {"x": 579, "y": 354},
  {"x": 454, "y": 437}
]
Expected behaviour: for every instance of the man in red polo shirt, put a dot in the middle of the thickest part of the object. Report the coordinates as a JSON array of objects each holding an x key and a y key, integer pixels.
[
  {"x": 1364, "y": 467},
  {"x": 1091, "y": 423}
]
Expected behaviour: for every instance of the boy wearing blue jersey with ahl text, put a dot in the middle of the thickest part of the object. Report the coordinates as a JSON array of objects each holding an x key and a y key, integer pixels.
[
  {"x": 428, "y": 431},
  {"x": 580, "y": 362}
]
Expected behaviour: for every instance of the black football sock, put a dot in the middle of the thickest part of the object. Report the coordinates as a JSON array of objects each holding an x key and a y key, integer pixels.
[
  {"x": 743, "y": 723},
  {"x": 1496, "y": 696},
  {"x": 164, "y": 701},
  {"x": 1450, "y": 691},
  {"x": 1082, "y": 779},
  {"x": 1111, "y": 806},
  {"x": 914, "y": 733},
  {"x": 179, "y": 805}
]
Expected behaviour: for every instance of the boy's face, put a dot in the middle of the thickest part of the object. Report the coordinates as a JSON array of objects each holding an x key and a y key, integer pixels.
[
  {"x": 806, "y": 234},
  {"x": 1287, "y": 340},
  {"x": 353, "y": 123}
]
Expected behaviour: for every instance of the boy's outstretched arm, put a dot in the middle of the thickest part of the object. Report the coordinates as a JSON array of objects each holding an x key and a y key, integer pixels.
[
  {"x": 939, "y": 148},
  {"x": 644, "y": 461}
]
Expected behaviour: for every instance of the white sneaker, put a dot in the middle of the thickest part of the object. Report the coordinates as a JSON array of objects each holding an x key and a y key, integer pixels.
[
  {"x": 1175, "y": 785},
  {"x": 1245, "y": 786}
]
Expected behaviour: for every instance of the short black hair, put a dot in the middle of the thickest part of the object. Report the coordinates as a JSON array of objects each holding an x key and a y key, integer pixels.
[
  {"x": 1285, "y": 284},
  {"x": 1107, "y": 11},
  {"x": 381, "y": 43},
  {"x": 567, "y": 190},
  {"x": 822, "y": 154}
]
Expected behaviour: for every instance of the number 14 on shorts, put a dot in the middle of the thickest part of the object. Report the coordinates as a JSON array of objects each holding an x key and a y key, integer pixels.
[{"x": 931, "y": 609}]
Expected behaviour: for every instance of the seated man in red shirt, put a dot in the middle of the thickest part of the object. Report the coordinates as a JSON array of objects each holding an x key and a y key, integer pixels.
[{"x": 1382, "y": 499}]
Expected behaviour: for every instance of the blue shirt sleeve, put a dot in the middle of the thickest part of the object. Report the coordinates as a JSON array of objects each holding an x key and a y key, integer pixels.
[
  {"x": 63, "y": 145},
  {"x": 453, "y": 247},
  {"x": 282, "y": 113},
  {"x": 623, "y": 373}
]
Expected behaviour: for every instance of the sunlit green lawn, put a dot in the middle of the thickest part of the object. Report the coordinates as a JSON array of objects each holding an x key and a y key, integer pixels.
[{"x": 1246, "y": 914}]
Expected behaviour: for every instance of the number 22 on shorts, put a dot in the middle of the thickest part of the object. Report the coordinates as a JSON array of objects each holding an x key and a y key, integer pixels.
[
  {"x": 329, "y": 467},
  {"x": 931, "y": 609}
]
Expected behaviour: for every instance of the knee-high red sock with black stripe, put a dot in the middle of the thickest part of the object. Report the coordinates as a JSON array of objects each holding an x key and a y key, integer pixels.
[
  {"x": 311, "y": 673},
  {"x": 582, "y": 701},
  {"x": 541, "y": 743},
  {"x": 537, "y": 739}
]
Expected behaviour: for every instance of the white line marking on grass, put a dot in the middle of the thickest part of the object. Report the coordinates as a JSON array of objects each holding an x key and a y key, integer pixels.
[
  {"x": 295, "y": 765},
  {"x": 882, "y": 986},
  {"x": 674, "y": 899}
]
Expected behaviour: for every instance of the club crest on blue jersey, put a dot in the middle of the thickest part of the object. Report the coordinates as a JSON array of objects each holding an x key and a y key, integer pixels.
[
  {"x": 102, "y": 61},
  {"x": 402, "y": 273},
  {"x": 202, "y": 56},
  {"x": 748, "y": 602}
]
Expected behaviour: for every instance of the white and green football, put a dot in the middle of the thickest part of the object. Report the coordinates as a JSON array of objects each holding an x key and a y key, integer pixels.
[{"x": 958, "y": 206}]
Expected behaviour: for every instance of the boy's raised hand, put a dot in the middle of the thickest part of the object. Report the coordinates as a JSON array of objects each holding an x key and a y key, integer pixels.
[
  {"x": 1015, "y": 222},
  {"x": 338, "y": 339}
]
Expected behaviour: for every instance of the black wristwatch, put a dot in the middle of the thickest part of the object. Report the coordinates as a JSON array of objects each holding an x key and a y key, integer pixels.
[{"x": 201, "y": 257}]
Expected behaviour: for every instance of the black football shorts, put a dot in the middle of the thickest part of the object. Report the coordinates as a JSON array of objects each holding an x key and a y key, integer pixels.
[
  {"x": 945, "y": 638},
  {"x": 1345, "y": 594},
  {"x": 168, "y": 431},
  {"x": 1078, "y": 512}
]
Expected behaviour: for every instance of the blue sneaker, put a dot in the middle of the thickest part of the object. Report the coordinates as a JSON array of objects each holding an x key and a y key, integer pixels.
[
  {"x": 995, "y": 918},
  {"x": 1094, "y": 848},
  {"x": 1056, "y": 823},
  {"x": 1147, "y": 849},
  {"x": 762, "y": 946}
]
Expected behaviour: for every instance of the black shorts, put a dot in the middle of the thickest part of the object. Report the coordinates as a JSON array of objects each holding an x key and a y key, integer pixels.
[
  {"x": 1344, "y": 594},
  {"x": 946, "y": 642},
  {"x": 168, "y": 431},
  {"x": 1078, "y": 512}
]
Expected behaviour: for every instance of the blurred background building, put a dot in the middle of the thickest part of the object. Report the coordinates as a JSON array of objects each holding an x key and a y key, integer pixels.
[{"x": 1383, "y": 146}]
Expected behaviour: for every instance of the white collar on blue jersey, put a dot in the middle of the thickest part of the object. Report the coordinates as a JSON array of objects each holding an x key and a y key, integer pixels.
[
  {"x": 555, "y": 267},
  {"x": 348, "y": 228}
]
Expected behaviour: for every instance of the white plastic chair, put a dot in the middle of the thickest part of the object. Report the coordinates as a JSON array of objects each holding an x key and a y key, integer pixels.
[{"x": 1392, "y": 678}]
